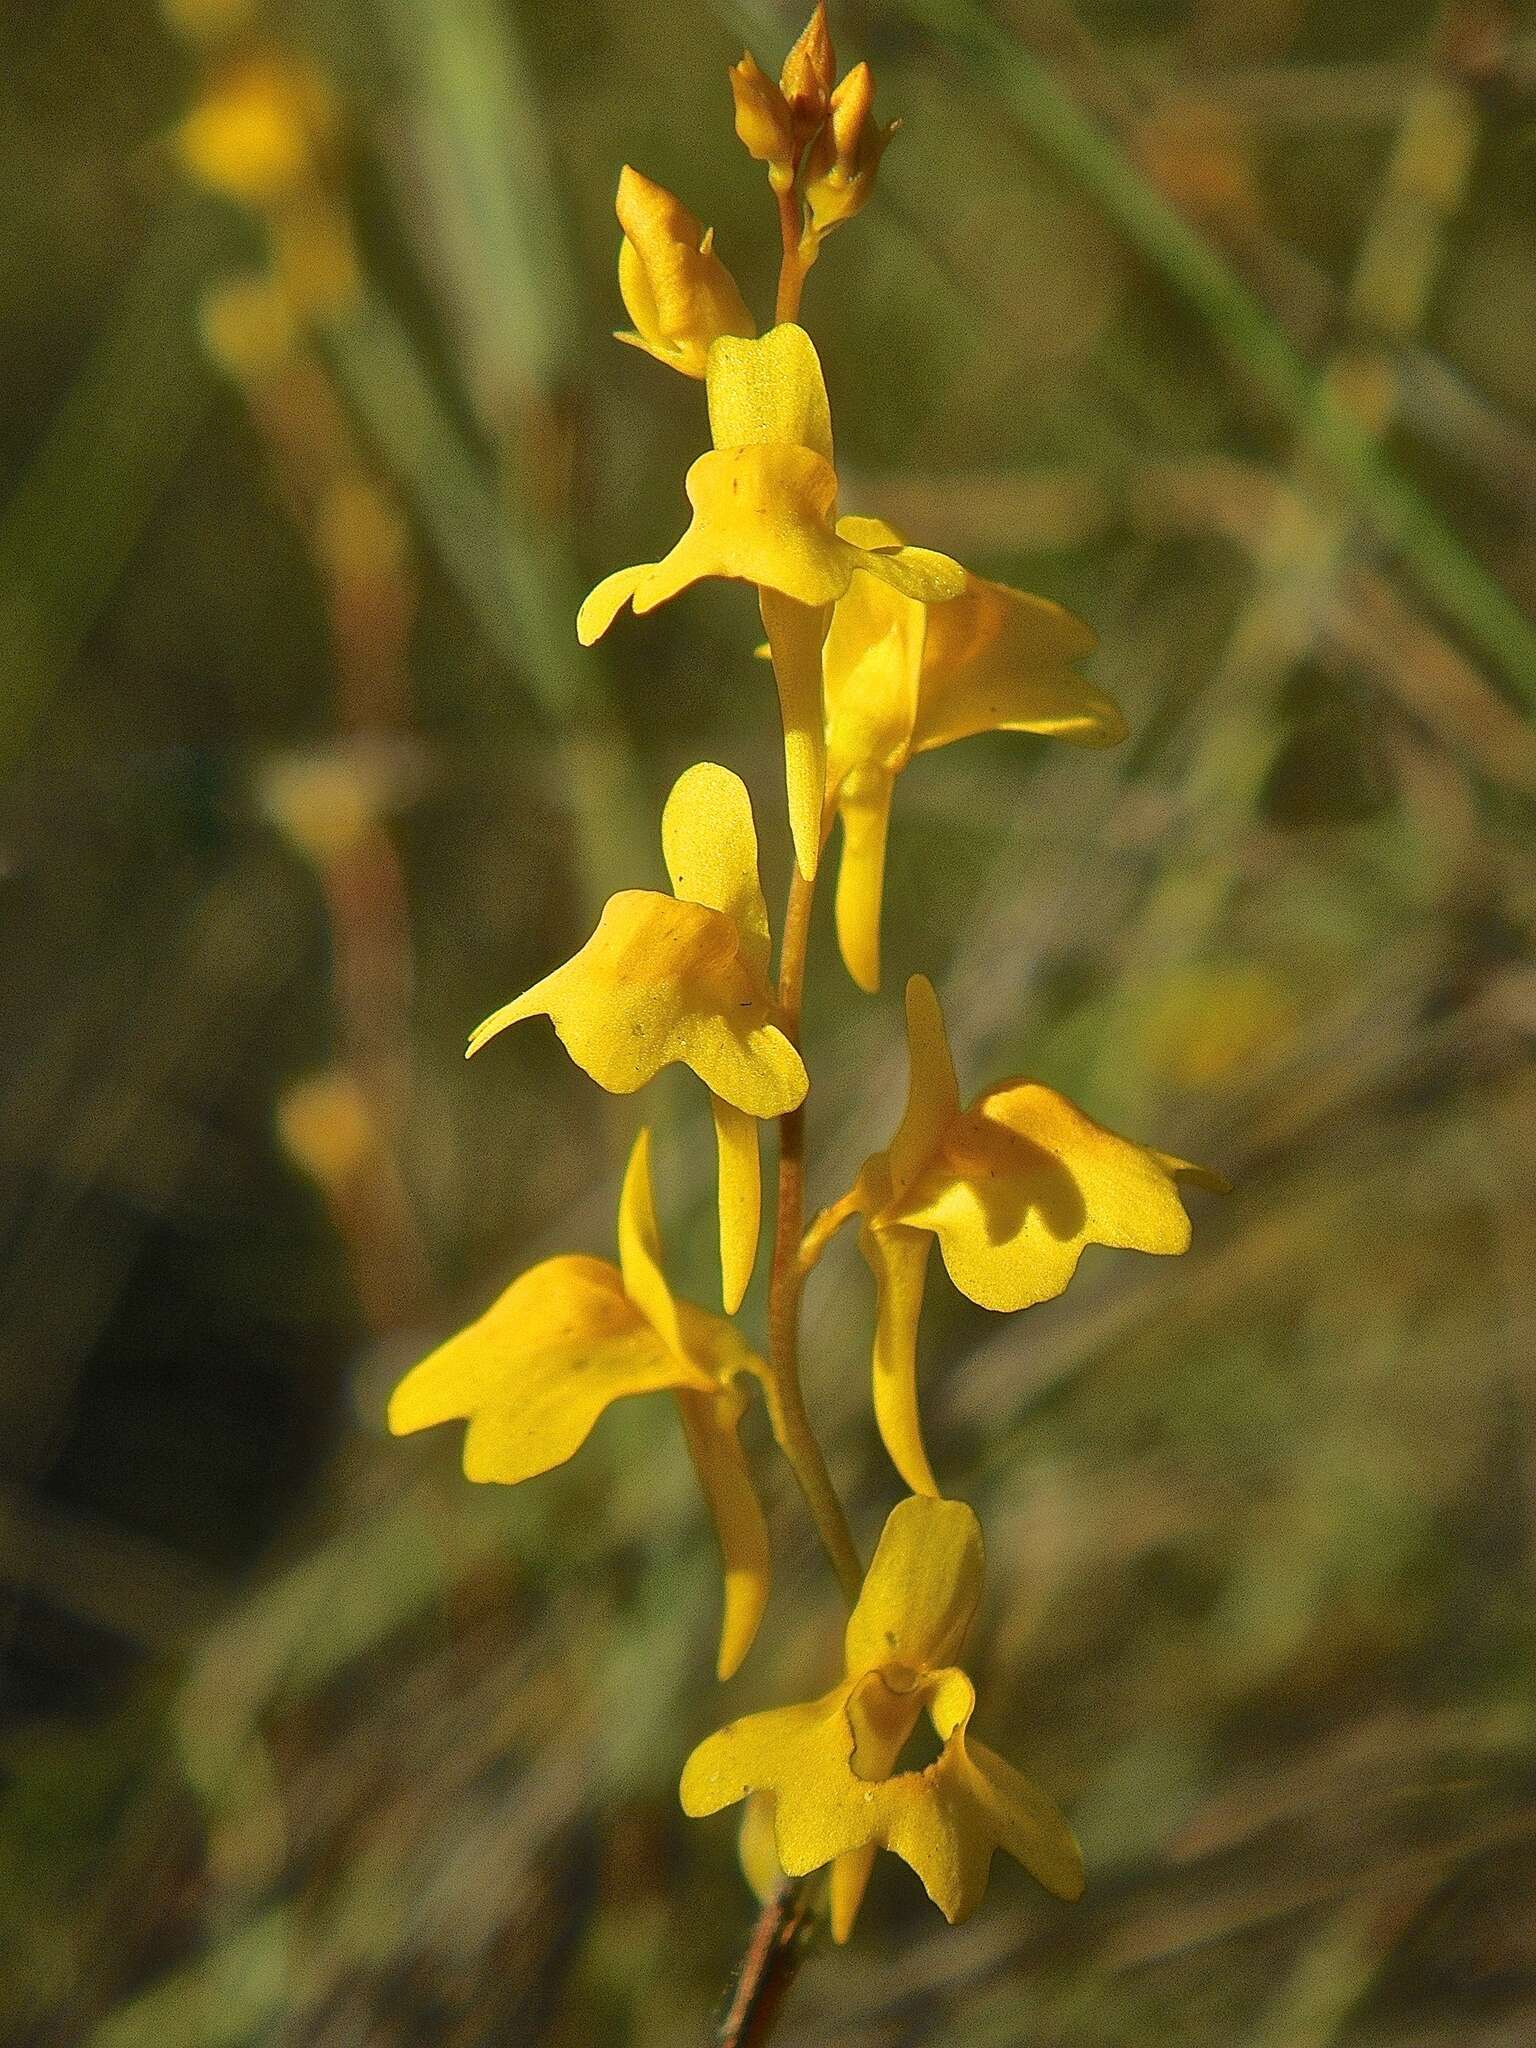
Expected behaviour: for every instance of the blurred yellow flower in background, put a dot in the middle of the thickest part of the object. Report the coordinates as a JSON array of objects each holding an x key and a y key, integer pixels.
[
  {"x": 1212, "y": 1024},
  {"x": 262, "y": 131},
  {"x": 570, "y": 1337},
  {"x": 831, "y": 1765}
]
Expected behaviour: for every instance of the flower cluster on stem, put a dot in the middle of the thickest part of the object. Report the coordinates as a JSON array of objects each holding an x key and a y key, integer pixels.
[{"x": 880, "y": 650}]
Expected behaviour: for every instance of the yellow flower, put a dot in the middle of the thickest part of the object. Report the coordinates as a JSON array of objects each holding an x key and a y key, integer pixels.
[
  {"x": 570, "y": 1337},
  {"x": 685, "y": 977},
  {"x": 831, "y": 1765},
  {"x": 902, "y": 677},
  {"x": 764, "y": 503},
  {"x": 679, "y": 294},
  {"x": 1014, "y": 1189}
]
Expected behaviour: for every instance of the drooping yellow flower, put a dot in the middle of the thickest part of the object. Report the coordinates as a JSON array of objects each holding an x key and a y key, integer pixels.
[
  {"x": 571, "y": 1336},
  {"x": 830, "y": 1765},
  {"x": 675, "y": 288},
  {"x": 1015, "y": 1188},
  {"x": 764, "y": 509},
  {"x": 685, "y": 977},
  {"x": 902, "y": 677}
]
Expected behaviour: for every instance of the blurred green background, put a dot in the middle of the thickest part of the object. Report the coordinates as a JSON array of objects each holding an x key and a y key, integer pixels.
[{"x": 1211, "y": 320}]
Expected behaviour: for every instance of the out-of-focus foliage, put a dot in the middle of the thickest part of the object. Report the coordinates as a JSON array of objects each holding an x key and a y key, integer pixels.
[{"x": 1209, "y": 321}]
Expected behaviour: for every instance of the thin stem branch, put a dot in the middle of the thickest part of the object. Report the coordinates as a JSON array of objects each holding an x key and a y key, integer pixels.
[
  {"x": 786, "y": 1404},
  {"x": 823, "y": 1227}
]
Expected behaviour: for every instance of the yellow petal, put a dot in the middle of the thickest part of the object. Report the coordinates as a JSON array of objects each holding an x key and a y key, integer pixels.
[
  {"x": 761, "y": 1751},
  {"x": 602, "y": 605},
  {"x": 1058, "y": 705},
  {"x": 533, "y": 1373},
  {"x": 640, "y": 1259},
  {"x": 865, "y": 532},
  {"x": 999, "y": 660},
  {"x": 763, "y": 514},
  {"x": 946, "y": 1821},
  {"x": 754, "y": 1067},
  {"x": 870, "y": 665},
  {"x": 899, "y": 1260},
  {"x": 760, "y": 515},
  {"x": 763, "y": 120},
  {"x": 715, "y": 1345},
  {"x": 659, "y": 981},
  {"x": 996, "y": 659},
  {"x": 922, "y": 573},
  {"x": 1024, "y": 1182},
  {"x": 933, "y": 1098},
  {"x": 990, "y": 622},
  {"x": 1025, "y": 1822},
  {"x": 709, "y": 843},
  {"x": 864, "y": 806},
  {"x": 767, "y": 391},
  {"x": 740, "y": 1199},
  {"x": 639, "y": 299},
  {"x": 800, "y": 1755},
  {"x": 709, "y": 1422},
  {"x": 795, "y": 633},
  {"x": 919, "y": 1596},
  {"x": 881, "y": 1721}
]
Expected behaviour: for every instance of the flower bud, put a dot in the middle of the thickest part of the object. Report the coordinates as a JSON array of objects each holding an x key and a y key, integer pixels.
[
  {"x": 763, "y": 119},
  {"x": 840, "y": 171},
  {"x": 808, "y": 75},
  {"x": 679, "y": 294}
]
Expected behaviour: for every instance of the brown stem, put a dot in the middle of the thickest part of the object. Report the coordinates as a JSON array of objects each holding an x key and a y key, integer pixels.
[{"x": 780, "y": 1939}]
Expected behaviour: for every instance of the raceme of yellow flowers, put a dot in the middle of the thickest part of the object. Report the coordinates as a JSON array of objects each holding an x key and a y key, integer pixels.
[{"x": 880, "y": 650}]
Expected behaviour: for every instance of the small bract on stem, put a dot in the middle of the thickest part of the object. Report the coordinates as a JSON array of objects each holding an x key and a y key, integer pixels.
[{"x": 881, "y": 651}]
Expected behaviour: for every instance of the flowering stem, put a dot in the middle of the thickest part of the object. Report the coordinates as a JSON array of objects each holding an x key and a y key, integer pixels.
[{"x": 786, "y": 1405}]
